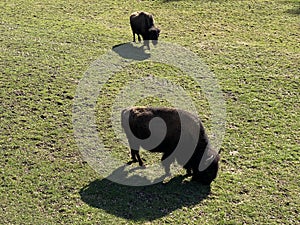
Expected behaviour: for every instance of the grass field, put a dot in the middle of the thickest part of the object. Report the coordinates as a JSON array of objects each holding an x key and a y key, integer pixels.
[{"x": 251, "y": 46}]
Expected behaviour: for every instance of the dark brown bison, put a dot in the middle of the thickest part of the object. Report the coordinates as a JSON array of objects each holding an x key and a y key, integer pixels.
[
  {"x": 142, "y": 23},
  {"x": 178, "y": 134}
]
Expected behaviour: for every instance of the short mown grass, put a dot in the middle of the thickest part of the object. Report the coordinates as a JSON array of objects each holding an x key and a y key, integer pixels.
[{"x": 251, "y": 46}]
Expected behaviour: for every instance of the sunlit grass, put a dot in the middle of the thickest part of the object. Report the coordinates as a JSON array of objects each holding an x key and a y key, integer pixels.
[{"x": 251, "y": 46}]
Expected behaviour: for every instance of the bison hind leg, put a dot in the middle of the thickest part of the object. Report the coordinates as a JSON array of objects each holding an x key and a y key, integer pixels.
[
  {"x": 135, "y": 156},
  {"x": 133, "y": 34}
]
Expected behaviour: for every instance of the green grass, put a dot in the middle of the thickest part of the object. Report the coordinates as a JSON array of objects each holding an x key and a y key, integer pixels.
[{"x": 253, "y": 49}]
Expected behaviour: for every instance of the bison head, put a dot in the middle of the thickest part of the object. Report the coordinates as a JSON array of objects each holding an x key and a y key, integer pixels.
[
  {"x": 209, "y": 174},
  {"x": 153, "y": 34}
]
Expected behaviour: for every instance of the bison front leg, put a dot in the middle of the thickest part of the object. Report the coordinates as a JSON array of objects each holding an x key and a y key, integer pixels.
[
  {"x": 146, "y": 43},
  {"x": 166, "y": 162}
]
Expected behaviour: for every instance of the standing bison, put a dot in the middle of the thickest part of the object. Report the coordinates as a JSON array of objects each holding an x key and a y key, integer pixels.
[
  {"x": 178, "y": 134},
  {"x": 142, "y": 23}
]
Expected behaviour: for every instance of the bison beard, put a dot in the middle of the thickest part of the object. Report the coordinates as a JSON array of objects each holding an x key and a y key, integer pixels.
[{"x": 135, "y": 122}]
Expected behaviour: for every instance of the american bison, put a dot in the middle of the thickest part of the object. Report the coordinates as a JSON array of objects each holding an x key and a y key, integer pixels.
[
  {"x": 142, "y": 23},
  {"x": 181, "y": 137}
]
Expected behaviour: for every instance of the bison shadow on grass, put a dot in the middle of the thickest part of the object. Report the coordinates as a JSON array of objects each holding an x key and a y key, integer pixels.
[
  {"x": 131, "y": 51},
  {"x": 143, "y": 203}
]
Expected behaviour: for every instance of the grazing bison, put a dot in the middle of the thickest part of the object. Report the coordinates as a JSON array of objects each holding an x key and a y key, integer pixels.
[
  {"x": 181, "y": 137},
  {"x": 142, "y": 23}
]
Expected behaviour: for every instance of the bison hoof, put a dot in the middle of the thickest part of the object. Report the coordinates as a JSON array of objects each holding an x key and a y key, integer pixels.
[{"x": 130, "y": 162}]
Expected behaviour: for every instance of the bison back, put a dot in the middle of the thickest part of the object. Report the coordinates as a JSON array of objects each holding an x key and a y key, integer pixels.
[{"x": 141, "y": 22}]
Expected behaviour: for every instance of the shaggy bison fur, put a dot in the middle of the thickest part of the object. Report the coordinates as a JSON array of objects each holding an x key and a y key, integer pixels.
[
  {"x": 182, "y": 138},
  {"x": 142, "y": 23}
]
